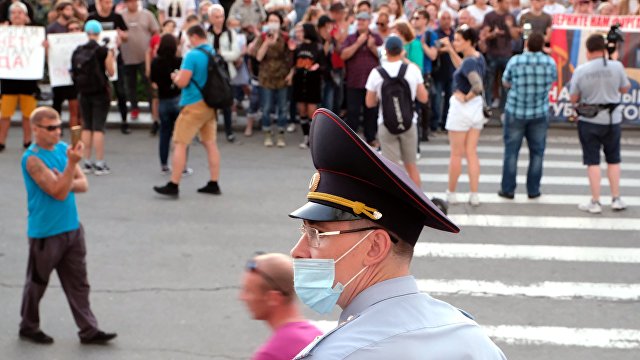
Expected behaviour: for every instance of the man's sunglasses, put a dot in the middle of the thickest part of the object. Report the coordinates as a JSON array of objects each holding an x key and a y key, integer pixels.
[
  {"x": 50, "y": 127},
  {"x": 252, "y": 266}
]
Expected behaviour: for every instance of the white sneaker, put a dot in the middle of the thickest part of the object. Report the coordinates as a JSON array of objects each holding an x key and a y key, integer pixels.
[
  {"x": 305, "y": 142},
  {"x": 617, "y": 204},
  {"x": 100, "y": 168},
  {"x": 291, "y": 128},
  {"x": 268, "y": 139},
  {"x": 187, "y": 171},
  {"x": 592, "y": 207},
  {"x": 451, "y": 197},
  {"x": 474, "y": 199},
  {"x": 280, "y": 141}
]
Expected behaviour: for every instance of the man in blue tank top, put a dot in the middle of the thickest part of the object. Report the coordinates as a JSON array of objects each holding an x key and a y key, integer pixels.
[{"x": 56, "y": 237}]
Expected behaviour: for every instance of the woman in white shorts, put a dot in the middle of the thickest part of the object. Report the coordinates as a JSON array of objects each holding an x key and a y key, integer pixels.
[{"x": 465, "y": 118}]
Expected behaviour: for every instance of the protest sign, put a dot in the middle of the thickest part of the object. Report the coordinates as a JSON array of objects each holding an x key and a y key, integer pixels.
[
  {"x": 61, "y": 46},
  {"x": 568, "y": 37},
  {"x": 21, "y": 52}
]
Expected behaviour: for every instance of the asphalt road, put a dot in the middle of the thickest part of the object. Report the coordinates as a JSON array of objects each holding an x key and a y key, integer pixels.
[{"x": 165, "y": 273}]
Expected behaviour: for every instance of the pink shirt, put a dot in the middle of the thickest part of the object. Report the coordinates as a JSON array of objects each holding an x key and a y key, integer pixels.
[{"x": 287, "y": 341}]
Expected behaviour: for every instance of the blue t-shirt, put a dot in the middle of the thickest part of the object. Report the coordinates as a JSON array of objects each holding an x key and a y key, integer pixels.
[
  {"x": 461, "y": 75},
  {"x": 195, "y": 61},
  {"x": 431, "y": 41},
  {"x": 48, "y": 216}
]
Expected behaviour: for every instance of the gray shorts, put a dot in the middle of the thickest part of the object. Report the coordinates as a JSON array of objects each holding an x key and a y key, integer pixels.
[{"x": 397, "y": 147}]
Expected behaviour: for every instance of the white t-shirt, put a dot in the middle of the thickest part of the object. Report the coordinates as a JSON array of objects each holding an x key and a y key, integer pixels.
[
  {"x": 413, "y": 77},
  {"x": 177, "y": 10},
  {"x": 478, "y": 13},
  {"x": 553, "y": 9}
]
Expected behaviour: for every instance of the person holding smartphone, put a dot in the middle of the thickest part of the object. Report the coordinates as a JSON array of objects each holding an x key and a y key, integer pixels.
[{"x": 53, "y": 176}]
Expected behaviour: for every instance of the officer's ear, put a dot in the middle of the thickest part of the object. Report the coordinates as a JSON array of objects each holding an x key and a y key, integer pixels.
[{"x": 380, "y": 246}]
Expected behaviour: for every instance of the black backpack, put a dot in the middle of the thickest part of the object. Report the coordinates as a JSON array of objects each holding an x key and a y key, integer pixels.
[
  {"x": 87, "y": 76},
  {"x": 397, "y": 103},
  {"x": 216, "y": 92}
]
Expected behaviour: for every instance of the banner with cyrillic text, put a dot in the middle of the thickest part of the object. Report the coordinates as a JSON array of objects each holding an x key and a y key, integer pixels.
[
  {"x": 21, "y": 52},
  {"x": 568, "y": 37}
]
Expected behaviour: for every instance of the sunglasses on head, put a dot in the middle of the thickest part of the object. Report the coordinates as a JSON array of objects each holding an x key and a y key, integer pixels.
[
  {"x": 252, "y": 266},
  {"x": 50, "y": 127}
]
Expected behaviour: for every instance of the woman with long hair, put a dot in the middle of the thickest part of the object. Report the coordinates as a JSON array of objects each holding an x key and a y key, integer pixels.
[
  {"x": 412, "y": 46},
  {"x": 165, "y": 63},
  {"x": 306, "y": 75},
  {"x": 465, "y": 119}
]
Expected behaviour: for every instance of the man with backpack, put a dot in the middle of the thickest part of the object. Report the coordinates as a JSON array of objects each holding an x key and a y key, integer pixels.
[
  {"x": 397, "y": 84},
  {"x": 197, "y": 114},
  {"x": 89, "y": 63}
]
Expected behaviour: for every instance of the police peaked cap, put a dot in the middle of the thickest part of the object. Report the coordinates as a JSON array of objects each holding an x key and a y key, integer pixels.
[{"x": 354, "y": 182}]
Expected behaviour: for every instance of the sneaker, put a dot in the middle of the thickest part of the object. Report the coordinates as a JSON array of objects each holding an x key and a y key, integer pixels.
[
  {"x": 87, "y": 167},
  {"x": 291, "y": 128},
  {"x": 187, "y": 171},
  {"x": 451, "y": 197},
  {"x": 592, "y": 207},
  {"x": 268, "y": 139},
  {"x": 37, "y": 337},
  {"x": 617, "y": 204},
  {"x": 171, "y": 189},
  {"x": 505, "y": 195},
  {"x": 495, "y": 103},
  {"x": 165, "y": 170},
  {"x": 305, "y": 142},
  {"x": 280, "y": 141},
  {"x": 474, "y": 199},
  {"x": 124, "y": 128},
  {"x": 100, "y": 338},
  {"x": 231, "y": 138},
  {"x": 155, "y": 127},
  {"x": 101, "y": 168},
  {"x": 212, "y": 187},
  {"x": 135, "y": 113}
]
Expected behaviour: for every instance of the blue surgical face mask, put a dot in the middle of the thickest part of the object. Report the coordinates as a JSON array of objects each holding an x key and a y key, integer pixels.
[{"x": 313, "y": 281}]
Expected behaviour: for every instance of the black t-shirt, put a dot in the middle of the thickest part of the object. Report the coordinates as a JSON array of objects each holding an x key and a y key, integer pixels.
[
  {"x": 161, "y": 69},
  {"x": 112, "y": 22},
  {"x": 56, "y": 28},
  {"x": 446, "y": 69}
]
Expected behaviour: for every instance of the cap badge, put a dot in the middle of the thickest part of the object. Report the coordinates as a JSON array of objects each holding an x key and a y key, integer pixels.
[{"x": 315, "y": 181}]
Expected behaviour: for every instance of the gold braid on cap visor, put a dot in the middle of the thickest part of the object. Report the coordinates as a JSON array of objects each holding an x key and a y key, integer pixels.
[{"x": 357, "y": 207}]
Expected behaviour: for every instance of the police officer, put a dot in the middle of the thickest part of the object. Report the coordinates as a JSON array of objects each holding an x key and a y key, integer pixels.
[{"x": 360, "y": 224}]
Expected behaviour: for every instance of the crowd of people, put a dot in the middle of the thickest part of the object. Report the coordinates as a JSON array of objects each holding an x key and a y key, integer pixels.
[{"x": 285, "y": 59}]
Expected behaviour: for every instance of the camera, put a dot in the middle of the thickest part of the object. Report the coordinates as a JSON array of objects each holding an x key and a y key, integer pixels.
[
  {"x": 438, "y": 44},
  {"x": 614, "y": 36},
  {"x": 526, "y": 31}
]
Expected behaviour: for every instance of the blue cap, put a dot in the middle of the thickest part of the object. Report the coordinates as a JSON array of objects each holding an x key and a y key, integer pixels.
[
  {"x": 393, "y": 45},
  {"x": 93, "y": 27}
]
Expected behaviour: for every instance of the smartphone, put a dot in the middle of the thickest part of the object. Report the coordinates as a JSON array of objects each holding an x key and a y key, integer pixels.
[{"x": 75, "y": 135}]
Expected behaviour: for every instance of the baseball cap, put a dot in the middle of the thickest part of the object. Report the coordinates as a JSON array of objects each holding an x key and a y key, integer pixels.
[
  {"x": 324, "y": 20},
  {"x": 363, "y": 16},
  {"x": 93, "y": 27},
  {"x": 393, "y": 45}
]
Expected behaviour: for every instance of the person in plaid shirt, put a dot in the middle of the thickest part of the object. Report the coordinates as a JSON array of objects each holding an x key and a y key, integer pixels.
[{"x": 528, "y": 77}]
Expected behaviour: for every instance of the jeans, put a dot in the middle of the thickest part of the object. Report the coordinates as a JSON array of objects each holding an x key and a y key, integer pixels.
[
  {"x": 355, "y": 104},
  {"x": 328, "y": 92},
  {"x": 267, "y": 97},
  {"x": 132, "y": 72},
  {"x": 118, "y": 87},
  {"x": 169, "y": 110},
  {"x": 440, "y": 103},
  {"x": 226, "y": 116},
  {"x": 495, "y": 65},
  {"x": 514, "y": 130}
]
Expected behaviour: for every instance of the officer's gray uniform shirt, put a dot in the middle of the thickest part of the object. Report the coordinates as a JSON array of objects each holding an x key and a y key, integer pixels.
[
  {"x": 600, "y": 84},
  {"x": 393, "y": 320}
]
